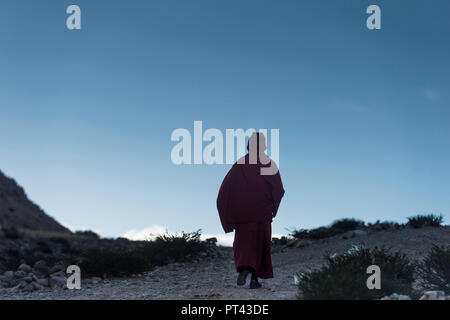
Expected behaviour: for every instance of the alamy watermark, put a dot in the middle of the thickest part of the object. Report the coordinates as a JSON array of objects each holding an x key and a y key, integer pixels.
[
  {"x": 73, "y": 21},
  {"x": 190, "y": 150}
]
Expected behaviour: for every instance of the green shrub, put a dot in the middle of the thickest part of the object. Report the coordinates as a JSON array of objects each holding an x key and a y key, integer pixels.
[
  {"x": 88, "y": 234},
  {"x": 385, "y": 225},
  {"x": 344, "y": 276},
  {"x": 434, "y": 271},
  {"x": 162, "y": 250},
  {"x": 169, "y": 248},
  {"x": 420, "y": 221},
  {"x": 347, "y": 224},
  {"x": 115, "y": 263},
  {"x": 337, "y": 227}
]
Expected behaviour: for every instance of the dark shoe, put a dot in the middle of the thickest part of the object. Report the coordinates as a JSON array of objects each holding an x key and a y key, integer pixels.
[
  {"x": 254, "y": 284},
  {"x": 242, "y": 277}
]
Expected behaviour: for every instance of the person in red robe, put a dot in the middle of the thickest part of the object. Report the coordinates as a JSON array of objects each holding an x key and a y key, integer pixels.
[{"x": 248, "y": 201}]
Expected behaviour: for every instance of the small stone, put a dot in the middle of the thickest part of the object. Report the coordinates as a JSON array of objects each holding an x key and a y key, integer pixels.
[
  {"x": 57, "y": 268},
  {"x": 302, "y": 243},
  {"x": 28, "y": 288},
  {"x": 25, "y": 268},
  {"x": 36, "y": 286},
  {"x": 41, "y": 267},
  {"x": 404, "y": 297},
  {"x": 359, "y": 233},
  {"x": 394, "y": 296},
  {"x": 56, "y": 281},
  {"x": 43, "y": 282},
  {"x": 58, "y": 274},
  {"x": 95, "y": 280},
  {"x": 211, "y": 240},
  {"x": 28, "y": 279},
  {"x": 20, "y": 274},
  {"x": 433, "y": 295}
]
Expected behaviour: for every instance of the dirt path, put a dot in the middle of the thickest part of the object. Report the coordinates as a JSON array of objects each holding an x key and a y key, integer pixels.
[{"x": 216, "y": 278}]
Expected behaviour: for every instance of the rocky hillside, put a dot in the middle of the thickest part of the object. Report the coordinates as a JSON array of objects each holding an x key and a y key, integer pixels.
[{"x": 17, "y": 211}]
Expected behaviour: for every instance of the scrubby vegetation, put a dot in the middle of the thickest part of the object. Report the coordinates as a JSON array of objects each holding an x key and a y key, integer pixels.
[
  {"x": 337, "y": 227},
  {"x": 421, "y": 221},
  {"x": 161, "y": 250},
  {"x": 434, "y": 271},
  {"x": 344, "y": 276},
  {"x": 98, "y": 262},
  {"x": 348, "y": 224},
  {"x": 87, "y": 233}
]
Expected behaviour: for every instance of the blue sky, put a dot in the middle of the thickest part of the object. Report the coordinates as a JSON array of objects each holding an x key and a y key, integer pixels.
[{"x": 86, "y": 116}]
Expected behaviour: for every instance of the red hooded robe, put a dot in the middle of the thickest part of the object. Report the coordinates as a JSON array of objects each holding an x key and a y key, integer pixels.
[{"x": 247, "y": 202}]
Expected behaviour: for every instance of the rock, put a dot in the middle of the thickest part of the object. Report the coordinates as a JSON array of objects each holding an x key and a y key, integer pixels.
[
  {"x": 211, "y": 240},
  {"x": 58, "y": 274},
  {"x": 300, "y": 243},
  {"x": 20, "y": 274},
  {"x": 95, "y": 280},
  {"x": 354, "y": 234},
  {"x": 433, "y": 295},
  {"x": 28, "y": 288},
  {"x": 58, "y": 267},
  {"x": 36, "y": 286},
  {"x": 403, "y": 297},
  {"x": 41, "y": 267},
  {"x": 56, "y": 281},
  {"x": 9, "y": 274},
  {"x": 43, "y": 282},
  {"x": 28, "y": 279},
  {"x": 13, "y": 289},
  {"x": 359, "y": 233},
  {"x": 25, "y": 268},
  {"x": 291, "y": 242}
]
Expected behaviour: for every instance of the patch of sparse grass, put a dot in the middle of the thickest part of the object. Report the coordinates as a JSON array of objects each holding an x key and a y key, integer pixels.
[{"x": 344, "y": 276}]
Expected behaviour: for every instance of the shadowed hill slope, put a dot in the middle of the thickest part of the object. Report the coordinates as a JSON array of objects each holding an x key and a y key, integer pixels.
[{"x": 17, "y": 211}]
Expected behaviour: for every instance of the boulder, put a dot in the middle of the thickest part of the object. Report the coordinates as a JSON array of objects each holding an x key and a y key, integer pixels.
[
  {"x": 56, "y": 281},
  {"x": 28, "y": 279},
  {"x": 211, "y": 240},
  {"x": 354, "y": 234},
  {"x": 25, "y": 268},
  {"x": 20, "y": 274},
  {"x": 36, "y": 286},
  {"x": 433, "y": 295},
  {"x": 41, "y": 267},
  {"x": 43, "y": 282}
]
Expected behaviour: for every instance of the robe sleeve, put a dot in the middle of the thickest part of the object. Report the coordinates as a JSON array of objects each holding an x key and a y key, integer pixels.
[
  {"x": 277, "y": 190},
  {"x": 222, "y": 205}
]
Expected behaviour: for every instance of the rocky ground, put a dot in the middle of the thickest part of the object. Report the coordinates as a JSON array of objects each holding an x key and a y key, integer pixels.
[{"x": 215, "y": 278}]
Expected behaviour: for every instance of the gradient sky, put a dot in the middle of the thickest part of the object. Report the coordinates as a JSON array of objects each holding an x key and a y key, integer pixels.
[{"x": 86, "y": 116}]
